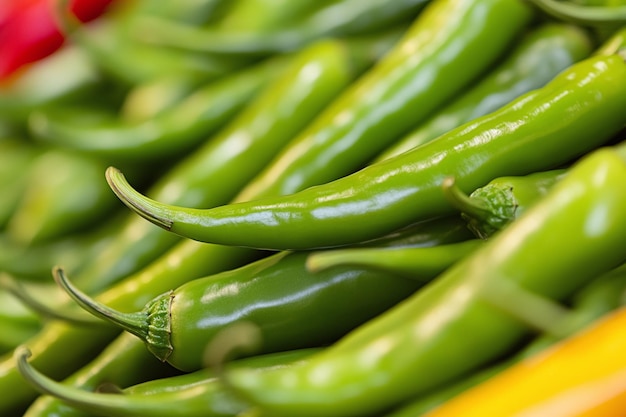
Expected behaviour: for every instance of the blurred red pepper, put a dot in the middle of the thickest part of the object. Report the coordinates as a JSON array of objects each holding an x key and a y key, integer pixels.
[{"x": 29, "y": 32}]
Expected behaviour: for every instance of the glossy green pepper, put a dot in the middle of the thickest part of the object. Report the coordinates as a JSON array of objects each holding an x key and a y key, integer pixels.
[
  {"x": 201, "y": 393},
  {"x": 449, "y": 44},
  {"x": 276, "y": 293},
  {"x": 496, "y": 204},
  {"x": 422, "y": 344},
  {"x": 601, "y": 296},
  {"x": 539, "y": 56},
  {"x": 172, "y": 271},
  {"x": 238, "y": 152},
  {"x": 577, "y": 111}
]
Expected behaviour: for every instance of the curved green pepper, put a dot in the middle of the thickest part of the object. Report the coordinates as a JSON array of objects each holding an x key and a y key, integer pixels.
[
  {"x": 238, "y": 152},
  {"x": 422, "y": 343},
  {"x": 201, "y": 393},
  {"x": 538, "y": 57},
  {"x": 172, "y": 271},
  {"x": 496, "y": 204},
  {"x": 447, "y": 46},
  {"x": 577, "y": 111},
  {"x": 601, "y": 296},
  {"x": 276, "y": 293}
]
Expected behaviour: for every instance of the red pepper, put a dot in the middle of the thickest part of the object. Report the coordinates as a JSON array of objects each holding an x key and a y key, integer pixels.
[{"x": 29, "y": 32}]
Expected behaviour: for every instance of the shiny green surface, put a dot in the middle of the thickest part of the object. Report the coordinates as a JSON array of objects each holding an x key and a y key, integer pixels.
[
  {"x": 577, "y": 111},
  {"x": 415, "y": 347},
  {"x": 537, "y": 58}
]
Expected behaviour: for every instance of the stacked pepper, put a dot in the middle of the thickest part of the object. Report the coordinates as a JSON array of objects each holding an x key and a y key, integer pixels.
[{"x": 338, "y": 208}]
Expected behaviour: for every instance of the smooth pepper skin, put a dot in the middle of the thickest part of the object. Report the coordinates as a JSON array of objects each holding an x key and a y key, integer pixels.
[
  {"x": 424, "y": 343},
  {"x": 296, "y": 93},
  {"x": 540, "y": 55},
  {"x": 600, "y": 297},
  {"x": 277, "y": 293},
  {"x": 201, "y": 393},
  {"x": 449, "y": 44},
  {"x": 577, "y": 111}
]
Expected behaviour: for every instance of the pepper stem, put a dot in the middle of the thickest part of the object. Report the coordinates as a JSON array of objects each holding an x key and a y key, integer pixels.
[
  {"x": 134, "y": 323},
  {"x": 462, "y": 201},
  {"x": 145, "y": 207},
  {"x": 581, "y": 14},
  {"x": 531, "y": 309},
  {"x": 18, "y": 290},
  {"x": 88, "y": 401}
]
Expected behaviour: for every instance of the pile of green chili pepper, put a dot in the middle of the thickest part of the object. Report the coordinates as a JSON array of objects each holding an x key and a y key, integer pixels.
[{"x": 345, "y": 208}]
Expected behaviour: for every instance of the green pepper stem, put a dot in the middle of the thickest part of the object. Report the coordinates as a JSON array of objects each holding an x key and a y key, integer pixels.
[
  {"x": 417, "y": 263},
  {"x": 462, "y": 201},
  {"x": 581, "y": 14},
  {"x": 134, "y": 323},
  {"x": 531, "y": 309},
  {"x": 18, "y": 290},
  {"x": 140, "y": 204}
]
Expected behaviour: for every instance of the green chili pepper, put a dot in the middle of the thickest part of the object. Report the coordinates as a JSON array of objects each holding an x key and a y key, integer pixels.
[
  {"x": 200, "y": 393},
  {"x": 577, "y": 111},
  {"x": 448, "y": 45},
  {"x": 336, "y": 18},
  {"x": 64, "y": 193},
  {"x": 490, "y": 208},
  {"x": 495, "y": 295},
  {"x": 416, "y": 263},
  {"x": 238, "y": 152},
  {"x": 185, "y": 261},
  {"x": 582, "y": 14},
  {"x": 276, "y": 293},
  {"x": 601, "y": 296},
  {"x": 538, "y": 57}
]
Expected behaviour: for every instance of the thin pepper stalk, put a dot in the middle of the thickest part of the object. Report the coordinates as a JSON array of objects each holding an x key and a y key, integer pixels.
[
  {"x": 493, "y": 206},
  {"x": 421, "y": 344},
  {"x": 537, "y": 58},
  {"x": 201, "y": 393},
  {"x": 579, "y": 110},
  {"x": 418, "y": 263},
  {"x": 425, "y": 234}
]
